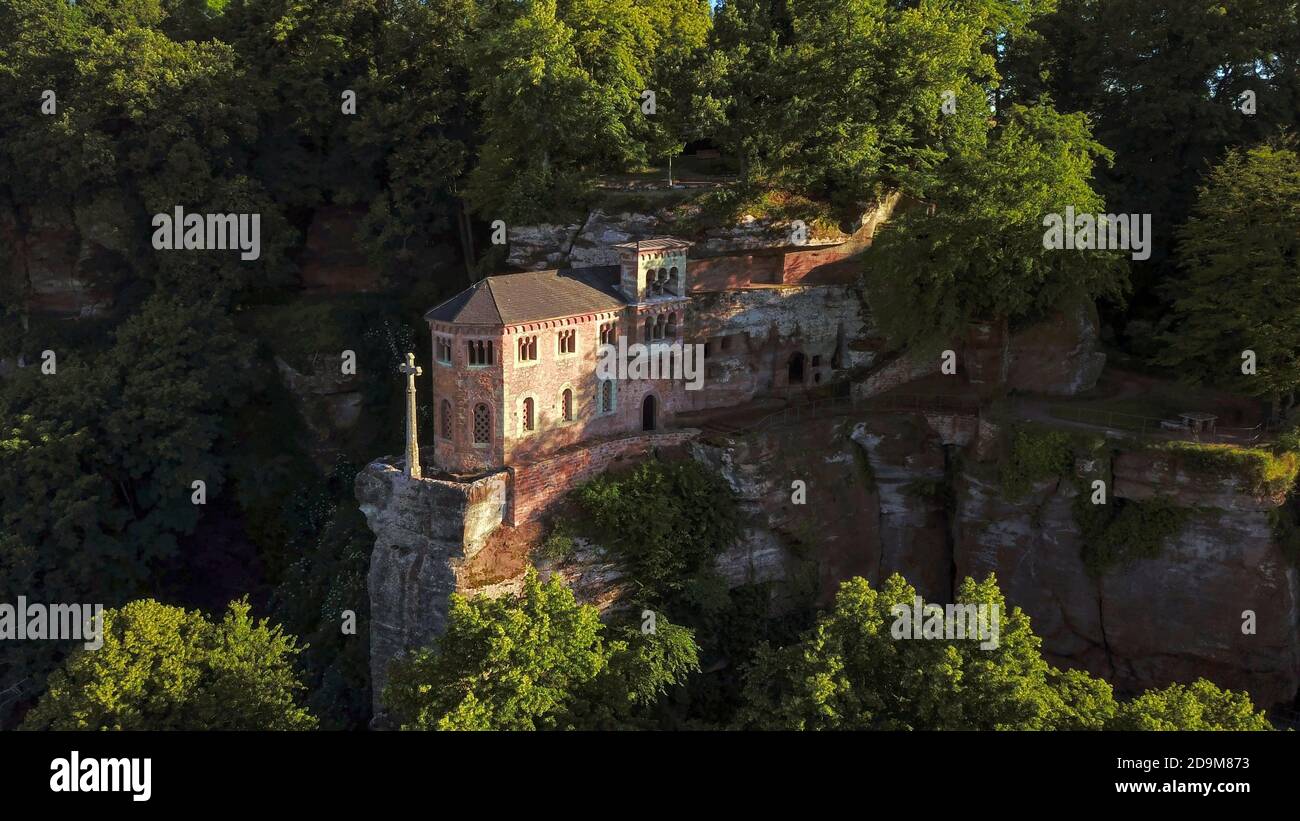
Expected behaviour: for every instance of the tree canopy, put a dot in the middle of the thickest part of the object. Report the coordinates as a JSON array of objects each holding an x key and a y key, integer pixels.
[
  {"x": 167, "y": 668},
  {"x": 535, "y": 661},
  {"x": 1240, "y": 282},
  {"x": 851, "y": 673}
]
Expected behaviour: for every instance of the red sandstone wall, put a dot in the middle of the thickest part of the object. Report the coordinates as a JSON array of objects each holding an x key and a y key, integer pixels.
[
  {"x": 733, "y": 271},
  {"x": 536, "y": 487},
  {"x": 546, "y": 380},
  {"x": 465, "y": 387},
  {"x": 828, "y": 266}
]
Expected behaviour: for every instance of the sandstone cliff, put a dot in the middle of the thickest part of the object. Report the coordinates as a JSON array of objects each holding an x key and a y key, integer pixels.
[{"x": 909, "y": 494}]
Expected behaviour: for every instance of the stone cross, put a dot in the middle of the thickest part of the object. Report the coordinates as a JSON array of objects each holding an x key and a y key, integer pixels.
[{"x": 412, "y": 445}]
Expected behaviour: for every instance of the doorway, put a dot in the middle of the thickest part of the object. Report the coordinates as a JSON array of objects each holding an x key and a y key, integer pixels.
[
  {"x": 795, "y": 369},
  {"x": 648, "y": 413}
]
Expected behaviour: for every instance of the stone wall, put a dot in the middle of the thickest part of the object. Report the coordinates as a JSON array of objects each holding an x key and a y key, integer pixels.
[
  {"x": 537, "y": 486},
  {"x": 734, "y": 271},
  {"x": 764, "y": 328}
]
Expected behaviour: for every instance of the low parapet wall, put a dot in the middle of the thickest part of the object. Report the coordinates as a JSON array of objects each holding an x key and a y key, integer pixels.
[{"x": 537, "y": 486}]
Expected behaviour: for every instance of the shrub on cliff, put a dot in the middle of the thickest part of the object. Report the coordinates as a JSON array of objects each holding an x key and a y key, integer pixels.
[
  {"x": 167, "y": 668},
  {"x": 536, "y": 661},
  {"x": 1035, "y": 455},
  {"x": 1116, "y": 534},
  {"x": 1259, "y": 470},
  {"x": 665, "y": 523}
]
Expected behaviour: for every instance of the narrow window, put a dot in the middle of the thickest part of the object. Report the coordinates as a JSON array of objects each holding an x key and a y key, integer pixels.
[
  {"x": 607, "y": 396},
  {"x": 444, "y": 349},
  {"x": 528, "y": 348},
  {"x": 567, "y": 341},
  {"x": 649, "y": 328},
  {"x": 528, "y": 413},
  {"x": 479, "y": 352},
  {"x": 482, "y": 425},
  {"x": 672, "y": 326},
  {"x": 446, "y": 419},
  {"x": 566, "y": 404}
]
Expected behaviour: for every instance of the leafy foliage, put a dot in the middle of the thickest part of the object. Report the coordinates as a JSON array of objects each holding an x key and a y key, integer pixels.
[
  {"x": 980, "y": 255},
  {"x": 665, "y": 523},
  {"x": 1035, "y": 455},
  {"x": 849, "y": 673},
  {"x": 1123, "y": 531},
  {"x": 166, "y": 668},
  {"x": 1199, "y": 706},
  {"x": 535, "y": 661},
  {"x": 1240, "y": 255}
]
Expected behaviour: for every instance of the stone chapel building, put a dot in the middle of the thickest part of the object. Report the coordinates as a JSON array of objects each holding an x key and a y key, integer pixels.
[
  {"x": 516, "y": 387},
  {"x": 515, "y": 357}
]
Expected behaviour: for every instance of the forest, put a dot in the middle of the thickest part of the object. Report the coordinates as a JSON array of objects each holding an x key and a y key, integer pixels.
[{"x": 431, "y": 120}]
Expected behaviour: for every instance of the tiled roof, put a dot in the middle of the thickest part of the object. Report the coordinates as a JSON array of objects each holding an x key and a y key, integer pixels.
[
  {"x": 655, "y": 244},
  {"x": 508, "y": 299}
]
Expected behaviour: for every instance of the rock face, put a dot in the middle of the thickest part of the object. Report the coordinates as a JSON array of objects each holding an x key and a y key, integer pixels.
[
  {"x": 834, "y": 497},
  {"x": 332, "y": 260},
  {"x": 1058, "y": 355},
  {"x": 329, "y": 401},
  {"x": 923, "y": 500},
  {"x": 426, "y": 530},
  {"x": 543, "y": 246},
  {"x": 62, "y": 261}
]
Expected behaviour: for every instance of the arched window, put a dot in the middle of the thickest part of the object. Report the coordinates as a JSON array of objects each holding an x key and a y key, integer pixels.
[
  {"x": 529, "y": 414},
  {"x": 482, "y": 424},
  {"x": 649, "y": 328},
  {"x": 661, "y": 324},
  {"x": 445, "y": 420},
  {"x": 566, "y": 404},
  {"x": 672, "y": 326},
  {"x": 607, "y": 396}
]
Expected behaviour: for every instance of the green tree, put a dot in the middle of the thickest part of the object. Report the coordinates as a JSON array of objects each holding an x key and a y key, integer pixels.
[
  {"x": 665, "y": 523},
  {"x": 534, "y": 661},
  {"x": 850, "y": 673},
  {"x": 839, "y": 99},
  {"x": 981, "y": 254},
  {"x": 1162, "y": 82},
  {"x": 166, "y": 668},
  {"x": 98, "y": 460},
  {"x": 547, "y": 121},
  {"x": 1199, "y": 706},
  {"x": 1240, "y": 255}
]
